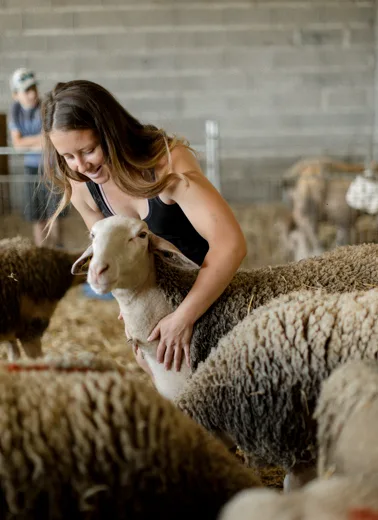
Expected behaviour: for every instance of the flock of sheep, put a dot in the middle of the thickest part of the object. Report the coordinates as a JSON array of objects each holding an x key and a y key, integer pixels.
[{"x": 283, "y": 365}]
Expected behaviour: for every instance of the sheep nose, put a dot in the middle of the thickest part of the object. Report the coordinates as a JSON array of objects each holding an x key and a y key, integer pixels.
[
  {"x": 99, "y": 269},
  {"x": 102, "y": 269}
]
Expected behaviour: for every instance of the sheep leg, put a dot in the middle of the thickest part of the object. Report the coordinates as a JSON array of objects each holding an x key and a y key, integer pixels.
[
  {"x": 308, "y": 226},
  {"x": 33, "y": 348},
  {"x": 298, "y": 245},
  {"x": 342, "y": 236},
  {"x": 298, "y": 476},
  {"x": 13, "y": 350}
]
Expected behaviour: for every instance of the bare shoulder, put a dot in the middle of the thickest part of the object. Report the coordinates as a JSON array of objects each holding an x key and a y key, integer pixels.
[
  {"x": 182, "y": 160},
  {"x": 185, "y": 162},
  {"x": 84, "y": 203},
  {"x": 77, "y": 186},
  {"x": 80, "y": 193}
]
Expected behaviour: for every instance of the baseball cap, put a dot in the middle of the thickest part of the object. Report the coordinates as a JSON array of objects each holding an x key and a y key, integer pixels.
[{"x": 22, "y": 79}]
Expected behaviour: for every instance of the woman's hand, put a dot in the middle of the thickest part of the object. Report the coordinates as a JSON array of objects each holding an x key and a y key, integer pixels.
[{"x": 175, "y": 334}]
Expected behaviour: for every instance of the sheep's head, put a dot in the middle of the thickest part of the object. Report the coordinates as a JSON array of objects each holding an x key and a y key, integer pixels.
[{"x": 120, "y": 254}]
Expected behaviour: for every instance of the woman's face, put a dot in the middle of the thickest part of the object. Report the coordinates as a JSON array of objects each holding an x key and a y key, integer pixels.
[{"x": 82, "y": 152}]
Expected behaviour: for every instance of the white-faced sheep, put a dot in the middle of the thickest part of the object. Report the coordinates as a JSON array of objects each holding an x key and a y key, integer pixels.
[
  {"x": 84, "y": 440},
  {"x": 260, "y": 386},
  {"x": 32, "y": 281},
  {"x": 128, "y": 260},
  {"x": 339, "y": 498},
  {"x": 347, "y": 415}
]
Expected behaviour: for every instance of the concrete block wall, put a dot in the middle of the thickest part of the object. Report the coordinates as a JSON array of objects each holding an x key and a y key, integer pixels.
[{"x": 284, "y": 78}]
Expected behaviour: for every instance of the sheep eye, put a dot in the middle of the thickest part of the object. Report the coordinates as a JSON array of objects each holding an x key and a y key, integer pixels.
[
  {"x": 142, "y": 235},
  {"x": 91, "y": 235}
]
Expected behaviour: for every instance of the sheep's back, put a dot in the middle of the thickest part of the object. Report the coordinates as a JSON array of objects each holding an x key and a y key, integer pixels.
[
  {"x": 345, "y": 269},
  {"x": 262, "y": 382},
  {"x": 36, "y": 273},
  {"x": 77, "y": 438}
]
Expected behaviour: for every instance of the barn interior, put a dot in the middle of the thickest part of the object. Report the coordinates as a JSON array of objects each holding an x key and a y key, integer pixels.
[{"x": 277, "y": 97}]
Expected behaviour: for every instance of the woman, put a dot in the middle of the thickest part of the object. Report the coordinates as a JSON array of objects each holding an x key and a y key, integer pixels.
[{"x": 106, "y": 162}]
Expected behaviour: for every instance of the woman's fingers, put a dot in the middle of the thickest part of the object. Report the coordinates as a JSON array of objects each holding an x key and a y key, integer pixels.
[
  {"x": 160, "y": 351},
  {"x": 168, "y": 358},
  {"x": 178, "y": 358},
  {"x": 187, "y": 353}
]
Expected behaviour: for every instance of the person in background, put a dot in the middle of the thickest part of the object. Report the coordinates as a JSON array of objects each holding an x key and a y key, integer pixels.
[{"x": 25, "y": 127}]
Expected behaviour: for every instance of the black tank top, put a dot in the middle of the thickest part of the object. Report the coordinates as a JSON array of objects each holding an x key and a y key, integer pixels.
[{"x": 166, "y": 221}]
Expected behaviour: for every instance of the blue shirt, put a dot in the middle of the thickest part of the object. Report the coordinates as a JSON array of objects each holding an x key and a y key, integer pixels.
[{"x": 28, "y": 122}]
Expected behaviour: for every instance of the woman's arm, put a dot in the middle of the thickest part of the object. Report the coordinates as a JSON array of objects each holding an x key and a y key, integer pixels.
[{"x": 213, "y": 219}]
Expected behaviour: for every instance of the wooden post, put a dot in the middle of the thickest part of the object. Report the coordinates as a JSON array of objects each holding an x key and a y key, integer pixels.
[
  {"x": 4, "y": 167},
  {"x": 5, "y": 203}
]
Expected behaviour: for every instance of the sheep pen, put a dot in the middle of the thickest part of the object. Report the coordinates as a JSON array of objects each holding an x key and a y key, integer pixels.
[{"x": 80, "y": 324}]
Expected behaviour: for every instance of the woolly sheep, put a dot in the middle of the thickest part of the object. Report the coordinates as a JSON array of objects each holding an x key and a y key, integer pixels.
[
  {"x": 32, "y": 281},
  {"x": 261, "y": 384},
  {"x": 82, "y": 439},
  {"x": 317, "y": 191},
  {"x": 129, "y": 260},
  {"x": 341, "y": 498},
  {"x": 347, "y": 415}
]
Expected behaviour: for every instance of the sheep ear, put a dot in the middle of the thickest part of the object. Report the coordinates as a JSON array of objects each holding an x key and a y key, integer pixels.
[
  {"x": 82, "y": 264},
  {"x": 169, "y": 252}
]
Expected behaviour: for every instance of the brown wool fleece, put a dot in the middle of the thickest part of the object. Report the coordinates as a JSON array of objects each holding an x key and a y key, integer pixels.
[
  {"x": 86, "y": 440},
  {"x": 345, "y": 269},
  {"x": 260, "y": 386},
  {"x": 31, "y": 276}
]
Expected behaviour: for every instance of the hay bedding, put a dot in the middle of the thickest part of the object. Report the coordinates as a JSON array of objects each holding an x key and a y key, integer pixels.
[{"x": 80, "y": 324}]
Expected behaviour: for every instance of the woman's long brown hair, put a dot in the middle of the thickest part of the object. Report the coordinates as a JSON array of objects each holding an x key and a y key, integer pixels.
[{"x": 131, "y": 150}]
